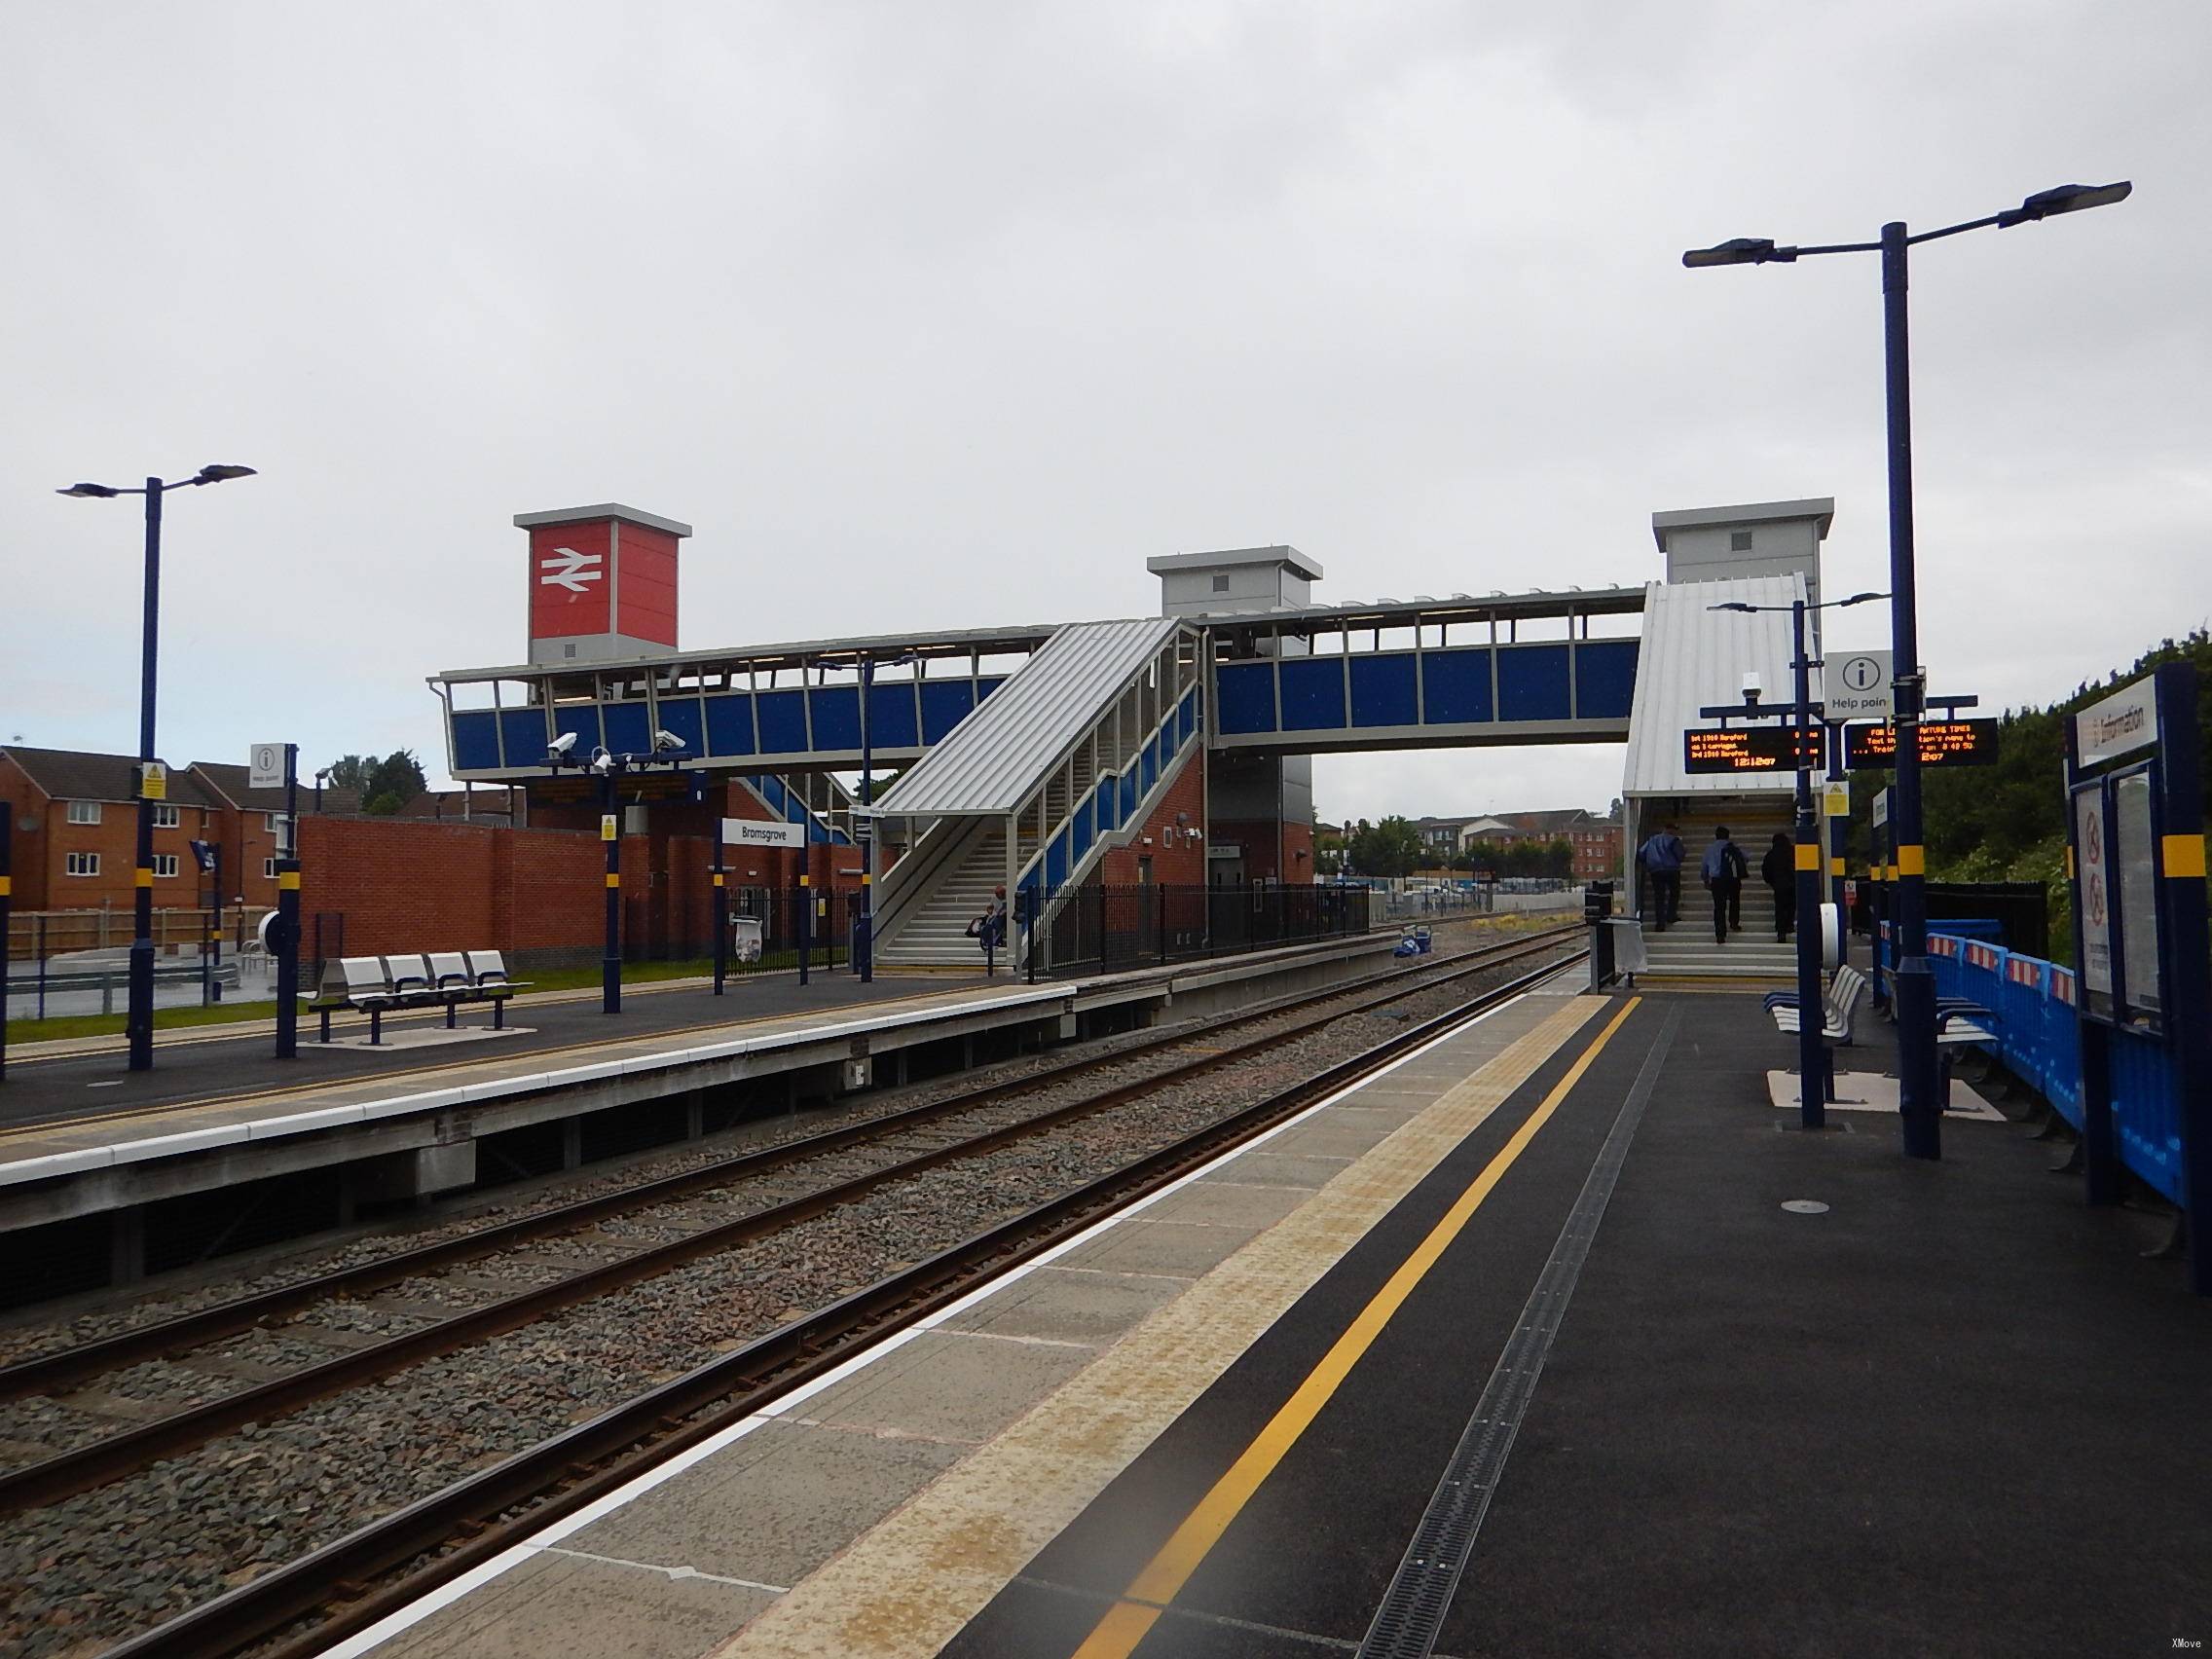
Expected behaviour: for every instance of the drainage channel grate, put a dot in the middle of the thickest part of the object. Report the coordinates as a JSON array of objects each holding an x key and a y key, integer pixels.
[{"x": 1411, "y": 1617}]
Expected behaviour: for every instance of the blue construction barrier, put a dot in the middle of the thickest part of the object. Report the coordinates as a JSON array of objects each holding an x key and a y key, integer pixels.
[{"x": 2038, "y": 1040}]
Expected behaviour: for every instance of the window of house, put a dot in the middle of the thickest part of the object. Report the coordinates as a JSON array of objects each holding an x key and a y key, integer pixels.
[
  {"x": 165, "y": 864},
  {"x": 83, "y": 863},
  {"x": 1739, "y": 541},
  {"x": 84, "y": 812},
  {"x": 1221, "y": 583},
  {"x": 166, "y": 818},
  {"x": 269, "y": 869},
  {"x": 273, "y": 822}
]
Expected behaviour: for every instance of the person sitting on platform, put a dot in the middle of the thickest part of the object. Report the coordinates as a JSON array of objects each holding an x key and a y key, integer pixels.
[{"x": 988, "y": 930}]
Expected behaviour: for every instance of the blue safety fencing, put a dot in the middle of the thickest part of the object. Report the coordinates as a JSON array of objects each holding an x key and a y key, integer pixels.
[{"x": 2039, "y": 1042}]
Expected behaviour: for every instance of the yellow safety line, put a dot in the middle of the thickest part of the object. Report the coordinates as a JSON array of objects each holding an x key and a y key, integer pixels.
[{"x": 1128, "y": 1621}]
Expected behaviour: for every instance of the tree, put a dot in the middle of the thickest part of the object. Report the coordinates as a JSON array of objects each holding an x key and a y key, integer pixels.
[
  {"x": 352, "y": 772},
  {"x": 1391, "y": 847},
  {"x": 385, "y": 787}
]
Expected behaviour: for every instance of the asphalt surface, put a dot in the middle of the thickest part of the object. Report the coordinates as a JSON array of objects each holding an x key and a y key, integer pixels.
[
  {"x": 59, "y": 1088},
  {"x": 1955, "y": 1414}
]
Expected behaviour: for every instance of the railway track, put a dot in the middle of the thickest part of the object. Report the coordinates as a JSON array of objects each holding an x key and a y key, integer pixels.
[
  {"x": 916, "y": 1139},
  {"x": 350, "y": 1583},
  {"x": 646, "y": 1418}
]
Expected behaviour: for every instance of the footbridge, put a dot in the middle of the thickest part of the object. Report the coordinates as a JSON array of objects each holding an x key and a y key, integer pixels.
[{"x": 1030, "y": 756}]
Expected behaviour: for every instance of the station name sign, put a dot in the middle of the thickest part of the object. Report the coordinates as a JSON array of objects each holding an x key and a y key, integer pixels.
[
  {"x": 1748, "y": 749},
  {"x": 1942, "y": 743}
]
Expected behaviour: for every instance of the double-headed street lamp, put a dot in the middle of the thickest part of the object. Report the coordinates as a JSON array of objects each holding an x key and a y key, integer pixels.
[
  {"x": 1919, "y": 1098},
  {"x": 138, "y": 1022},
  {"x": 1804, "y": 716}
]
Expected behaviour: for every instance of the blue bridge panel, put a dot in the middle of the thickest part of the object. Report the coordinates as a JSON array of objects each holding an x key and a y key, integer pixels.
[
  {"x": 729, "y": 724},
  {"x": 1313, "y": 693},
  {"x": 476, "y": 739},
  {"x": 783, "y": 722},
  {"x": 581, "y": 720},
  {"x": 1604, "y": 678},
  {"x": 892, "y": 719},
  {"x": 683, "y": 717},
  {"x": 1532, "y": 683},
  {"x": 945, "y": 703},
  {"x": 629, "y": 728},
  {"x": 1456, "y": 686},
  {"x": 837, "y": 716},
  {"x": 522, "y": 732},
  {"x": 1383, "y": 691},
  {"x": 1246, "y": 696}
]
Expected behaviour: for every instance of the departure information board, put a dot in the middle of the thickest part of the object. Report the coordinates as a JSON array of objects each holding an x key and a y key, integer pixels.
[
  {"x": 1942, "y": 743},
  {"x": 1747, "y": 749}
]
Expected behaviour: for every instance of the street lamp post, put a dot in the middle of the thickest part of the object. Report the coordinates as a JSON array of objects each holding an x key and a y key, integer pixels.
[
  {"x": 1804, "y": 721},
  {"x": 668, "y": 750},
  {"x": 1919, "y": 1097},
  {"x": 138, "y": 1022}
]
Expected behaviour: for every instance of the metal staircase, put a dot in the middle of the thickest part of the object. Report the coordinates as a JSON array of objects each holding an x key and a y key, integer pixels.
[
  {"x": 1686, "y": 950},
  {"x": 1065, "y": 761}
]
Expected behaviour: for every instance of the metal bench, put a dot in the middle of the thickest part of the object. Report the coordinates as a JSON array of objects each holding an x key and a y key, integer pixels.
[
  {"x": 1838, "y": 1009},
  {"x": 375, "y": 985}
]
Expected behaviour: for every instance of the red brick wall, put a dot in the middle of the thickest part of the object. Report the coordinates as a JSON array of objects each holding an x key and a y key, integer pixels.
[
  {"x": 1184, "y": 864},
  {"x": 403, "y": 884}
]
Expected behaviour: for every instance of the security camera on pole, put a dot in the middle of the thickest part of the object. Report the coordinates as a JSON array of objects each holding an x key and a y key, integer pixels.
[
  {"x": 668, "y": 750},
  {"x": 1806, "y": 750}
]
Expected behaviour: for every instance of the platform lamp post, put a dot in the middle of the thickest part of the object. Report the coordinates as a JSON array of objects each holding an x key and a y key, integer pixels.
[
  {"x": 138, "y": 1023},
  {"x": 1919, "y": 1099},
  {"x": 1805, "y": 731},
  {"x": 864, "y": 925},
  {"x": 608, "y": 768}
]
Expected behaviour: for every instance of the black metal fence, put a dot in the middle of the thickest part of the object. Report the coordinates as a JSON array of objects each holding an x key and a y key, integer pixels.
[
  {"x": 779, "y": 914},
  {"x": 1127, "y": 927}
]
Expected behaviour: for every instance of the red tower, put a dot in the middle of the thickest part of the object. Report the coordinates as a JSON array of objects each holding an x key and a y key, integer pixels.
[{"x": 602, "y": 583}]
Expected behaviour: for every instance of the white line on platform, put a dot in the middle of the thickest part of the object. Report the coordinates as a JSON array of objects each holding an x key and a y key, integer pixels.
[{"x": 445, "y": 1595}]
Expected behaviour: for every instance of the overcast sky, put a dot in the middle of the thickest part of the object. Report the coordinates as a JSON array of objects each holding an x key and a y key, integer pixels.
[{"x": 953, "y": 314}]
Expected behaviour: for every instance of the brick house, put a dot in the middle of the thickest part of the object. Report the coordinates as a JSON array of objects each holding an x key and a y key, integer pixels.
[{"x": 76, "y": 830}]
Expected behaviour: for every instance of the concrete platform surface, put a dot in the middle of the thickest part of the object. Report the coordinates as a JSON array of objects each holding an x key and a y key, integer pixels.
[{"x": 1690, "y": 1381}]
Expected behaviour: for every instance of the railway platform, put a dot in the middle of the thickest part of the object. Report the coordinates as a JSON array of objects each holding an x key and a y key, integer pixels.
[
  {"x": 86, "y": 1143},
  {"x": 1557, "y": 1336}
]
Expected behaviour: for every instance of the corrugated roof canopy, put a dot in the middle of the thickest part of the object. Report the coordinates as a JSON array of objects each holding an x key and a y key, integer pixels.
[
  {"x": 991, "y": 760},
  {"x": 1693, "y": 657}
]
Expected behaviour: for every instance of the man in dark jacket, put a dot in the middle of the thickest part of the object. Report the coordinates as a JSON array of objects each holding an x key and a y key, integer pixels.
[
  {"x": 1662, "y": 860},
  {"x": 1725, "y": 870}
]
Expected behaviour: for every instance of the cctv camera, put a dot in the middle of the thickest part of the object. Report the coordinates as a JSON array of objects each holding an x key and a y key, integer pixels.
[
  {"x": 1751, "y": 689},
  {"x": 602, "y": 762},
  {"x": 561, "y": 745},
  {"x": 663, "y": 741}
]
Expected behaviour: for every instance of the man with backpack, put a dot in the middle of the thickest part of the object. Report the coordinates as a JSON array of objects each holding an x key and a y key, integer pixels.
[
  {"x": 1662, "y": 859},
  {"x": 1725, "y": 870}
]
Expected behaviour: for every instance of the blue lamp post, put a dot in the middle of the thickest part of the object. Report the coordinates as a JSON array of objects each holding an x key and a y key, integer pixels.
[
  {"x": 1919, "y": 1099},
  {"x": 138, "y": 1022}
]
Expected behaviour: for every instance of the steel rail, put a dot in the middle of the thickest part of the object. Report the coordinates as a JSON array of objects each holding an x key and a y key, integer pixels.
[
  {"x": 581, "y": 1465},
  {"x": 113, "y": 1457},
  {"x": 43, "y": 1372}
]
